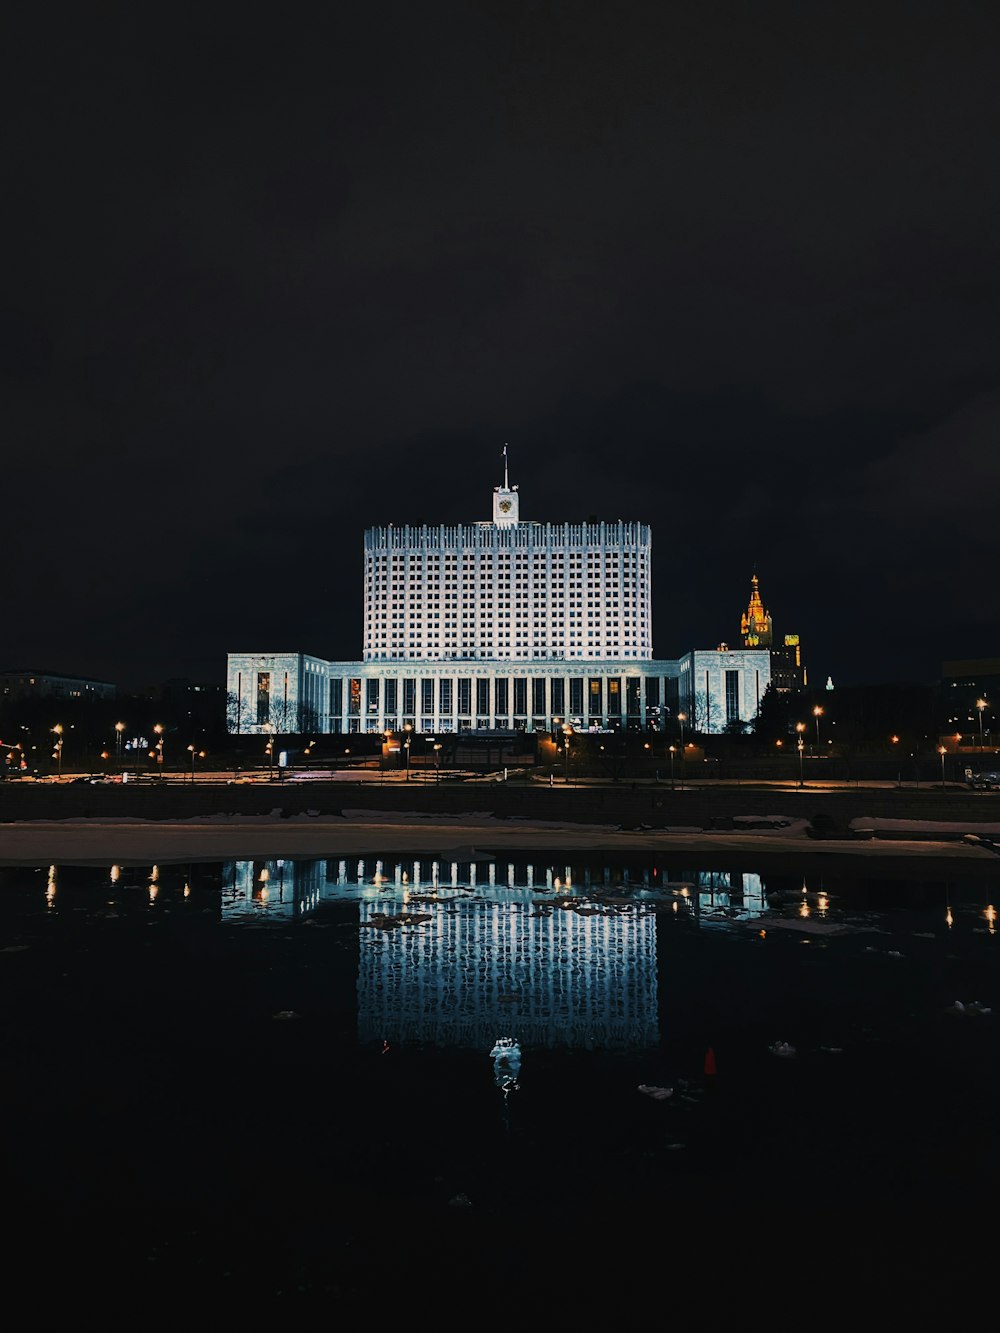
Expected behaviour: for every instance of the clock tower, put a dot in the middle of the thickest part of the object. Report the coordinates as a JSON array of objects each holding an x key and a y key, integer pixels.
[{"x": 505, "y": 500}]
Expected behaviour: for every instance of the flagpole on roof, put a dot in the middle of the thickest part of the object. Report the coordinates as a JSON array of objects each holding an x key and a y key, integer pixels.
[{"x": 505, "y": 486}]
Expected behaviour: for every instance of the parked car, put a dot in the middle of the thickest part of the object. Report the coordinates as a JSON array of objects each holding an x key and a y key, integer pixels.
[{"x": 985, "y": 781}]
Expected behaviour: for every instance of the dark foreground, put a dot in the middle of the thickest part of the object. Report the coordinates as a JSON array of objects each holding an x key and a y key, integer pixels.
[{"x": 173, "y": 1150}]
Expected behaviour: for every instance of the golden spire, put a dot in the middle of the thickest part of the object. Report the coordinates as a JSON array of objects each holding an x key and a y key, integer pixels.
[{"x": 755, "y": 626}]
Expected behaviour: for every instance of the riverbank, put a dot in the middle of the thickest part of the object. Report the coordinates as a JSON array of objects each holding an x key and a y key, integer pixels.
[{"x": 100, "y": 841}]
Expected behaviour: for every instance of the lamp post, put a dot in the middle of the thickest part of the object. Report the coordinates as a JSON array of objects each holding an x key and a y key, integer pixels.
[
  {"x": 158, "y": 728},
  {"x": 980, "y": 705},
  {"x": 406, "y": 747},
  {"x": 682, "y": 718},
  {"x": 119, "y": 732},
  {"x": 58, "y": 748},
  {"x": 942, "y": 752},
  {"x": 817, "y": 714},
  {"x": 801, "y": 744},
  {"x": 194, "y": 752},
  {"x": 566, "y": 759},
  {"x": 672, "y": 751},
  {"x": 437, "y": 763}
]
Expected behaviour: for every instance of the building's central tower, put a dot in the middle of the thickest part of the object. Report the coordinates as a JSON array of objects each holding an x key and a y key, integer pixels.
[
  {"x": 508, "y": 589},
  {"x": 505, "y": 500}
]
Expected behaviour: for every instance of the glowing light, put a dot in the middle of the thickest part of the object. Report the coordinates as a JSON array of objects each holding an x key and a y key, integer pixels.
[
  {"x": 991, "y": 918},
  {"x": 187, "y": 889},
  {"x": 154, "y": 874},
  {"x": 949, "y": 919},
  {"x": 821, "y": 902},
  {"x": 804, "y": 909},
  {"x": 115, "y": 874},
  {"x": 153, "y": 891}
]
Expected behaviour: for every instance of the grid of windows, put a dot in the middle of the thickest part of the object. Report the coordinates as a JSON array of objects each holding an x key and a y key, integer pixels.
[{"x": 531, "y": 591}]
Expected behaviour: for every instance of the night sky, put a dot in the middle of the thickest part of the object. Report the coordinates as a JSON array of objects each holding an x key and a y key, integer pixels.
[{"x": 273, "y": 277}]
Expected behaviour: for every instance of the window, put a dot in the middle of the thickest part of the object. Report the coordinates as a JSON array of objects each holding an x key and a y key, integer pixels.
[
  {"x": 520, "y": 695},
  {"x": 263, "y": 698},
  {"x": 427, "y": 696},
  {"x": 558, "y": 697},
  {"x": 732, "y": 696},
  {"x": 538, "y": 695},
  {"x": 576, "y": 696},
  {"x": 632, "y": 696},
  {"x": 464, "y": 696}
]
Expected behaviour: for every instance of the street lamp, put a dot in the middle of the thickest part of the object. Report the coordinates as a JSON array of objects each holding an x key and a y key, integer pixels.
[
  {"x": 980, "y": 705},
  {"x": 158, "y": 728},
  {"x": 942, "y": 752},
  {"x": 437, "y": 762},
  {"x": 58, "y": 748},
  {"x": 566, "y": 759},
  {"x": 817, "y": 714},
  {"x": 800, "y": 728},
  {"x": 406, "y": 747},
  {"x": 200, "y": 754},
  {"x": 682, "y": 718},
  {"x": 672, "y": 751},
  {"x": 119, "y": 732}
]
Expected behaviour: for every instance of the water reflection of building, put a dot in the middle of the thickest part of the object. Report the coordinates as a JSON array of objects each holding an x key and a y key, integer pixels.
[
  {"x": 723, "y": 895},
  {"x": 563, "y": 973},
  {"x": 497, "y": 947}
]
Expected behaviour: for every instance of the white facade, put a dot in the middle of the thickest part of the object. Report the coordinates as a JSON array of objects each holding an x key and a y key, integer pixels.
[
  {"x": 514, "y": 592},
  {"x": 502, "y": 626}
]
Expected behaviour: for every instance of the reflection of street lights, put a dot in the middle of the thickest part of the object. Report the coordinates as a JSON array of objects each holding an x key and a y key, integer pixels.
[
  {"x": 817, "y": 714},
  {"x": 980, "y": 705},
  {"x": 437, "y": 762},
  {"x": 942, "y": 752}
]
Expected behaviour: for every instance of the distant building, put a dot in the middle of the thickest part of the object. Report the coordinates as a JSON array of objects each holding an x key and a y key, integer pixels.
[
  {"x": 757, "y": 631},
  {"x": 17, "y": 686},
  {"x": 507, "y": 625},
  {"x": 969, "y": 696}
]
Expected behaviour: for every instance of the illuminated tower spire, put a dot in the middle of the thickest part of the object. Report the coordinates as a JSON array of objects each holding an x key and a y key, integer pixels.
[
  {"x": 755, "y": 626},
  {"x": 505, "y": 500}
]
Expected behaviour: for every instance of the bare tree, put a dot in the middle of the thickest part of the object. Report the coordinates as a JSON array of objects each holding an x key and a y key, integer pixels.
[
  {"x": 238, "y": 714},
  {"x": 702, "y": 712}
]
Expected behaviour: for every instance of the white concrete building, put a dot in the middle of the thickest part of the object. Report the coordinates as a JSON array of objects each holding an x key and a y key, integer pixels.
[{"x": 504, "y": 625}]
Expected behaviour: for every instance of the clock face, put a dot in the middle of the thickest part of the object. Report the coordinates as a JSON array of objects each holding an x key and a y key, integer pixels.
[{"x": 505, "y": 506}]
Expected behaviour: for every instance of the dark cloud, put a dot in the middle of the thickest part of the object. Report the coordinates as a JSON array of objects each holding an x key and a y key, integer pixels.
[{"x": 728, "y": 269}]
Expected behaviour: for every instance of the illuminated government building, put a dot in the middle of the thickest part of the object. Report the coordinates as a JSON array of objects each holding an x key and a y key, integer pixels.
[{"x": 506, "y": 625}]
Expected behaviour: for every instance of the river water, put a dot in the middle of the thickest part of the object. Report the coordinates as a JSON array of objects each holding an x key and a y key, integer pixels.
[{"x": 269, "y": 1084}]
